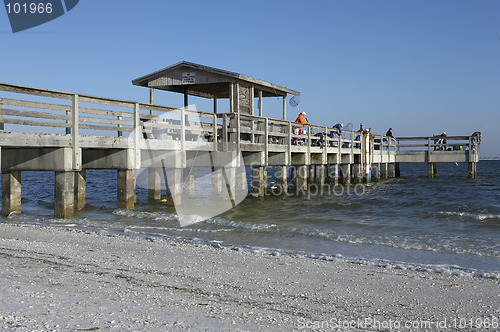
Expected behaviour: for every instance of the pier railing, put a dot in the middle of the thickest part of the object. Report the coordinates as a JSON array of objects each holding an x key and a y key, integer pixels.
[
  {"x": 68, "y": 117},
  {"x": 78, "y": 120}
]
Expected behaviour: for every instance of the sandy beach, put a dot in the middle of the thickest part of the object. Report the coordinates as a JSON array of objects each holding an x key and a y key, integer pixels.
[{"x": 58, "y": 279}]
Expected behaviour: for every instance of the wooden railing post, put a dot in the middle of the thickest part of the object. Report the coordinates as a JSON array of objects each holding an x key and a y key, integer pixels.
[
  {"x": 137, "y": 129},
  {"x": 215, "y": 131},
  {"x": 183, "y": 136},
  {"x": 224, "y": 132},
  {"x": 266, "y": 137},
  {"x": 68, "y": 122},
  {"x": 75, "y": 138},
  {"x": 429, "y": 149},
  {"x": 120, "y": 133},
  {"x": 2, "y": 126},
  {"x": 289, "y": 143},
  {"x": 238, "y": 133}
]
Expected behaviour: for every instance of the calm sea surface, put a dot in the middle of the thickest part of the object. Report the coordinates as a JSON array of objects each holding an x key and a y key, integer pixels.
[{"x": 446, "y": 222}]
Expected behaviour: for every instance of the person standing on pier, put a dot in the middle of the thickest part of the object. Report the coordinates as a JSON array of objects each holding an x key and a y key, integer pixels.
[
  {"x": 389, "y": 133},
  {"x": 301, "y": 118}
]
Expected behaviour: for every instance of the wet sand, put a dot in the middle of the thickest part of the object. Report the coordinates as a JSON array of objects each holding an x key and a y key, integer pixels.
[{"x": 57, "y": 279}]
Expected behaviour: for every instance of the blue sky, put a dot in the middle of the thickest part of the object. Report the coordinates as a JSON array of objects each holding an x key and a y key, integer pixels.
[{"x": 421, "y": 67}]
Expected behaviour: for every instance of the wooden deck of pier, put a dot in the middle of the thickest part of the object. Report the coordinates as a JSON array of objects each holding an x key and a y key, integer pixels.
[{"x": 68, "y": 133}]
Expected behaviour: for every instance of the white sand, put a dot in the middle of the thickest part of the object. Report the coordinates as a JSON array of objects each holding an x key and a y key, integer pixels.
[{"x": 54, "y": 279}]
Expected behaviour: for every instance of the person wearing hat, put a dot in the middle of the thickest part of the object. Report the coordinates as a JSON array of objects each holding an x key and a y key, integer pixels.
[
  {"x": 301, "y": 118},
  {"x": 339, "y": 127}
]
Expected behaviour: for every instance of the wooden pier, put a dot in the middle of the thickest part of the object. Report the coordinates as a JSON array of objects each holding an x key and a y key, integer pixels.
[{"x": 69, "y": 133}]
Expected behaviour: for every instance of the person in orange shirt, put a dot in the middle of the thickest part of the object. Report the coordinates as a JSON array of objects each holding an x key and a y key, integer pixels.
[
  {"x": 298, "y": 130},
  {"x": 301, "y": 119}
]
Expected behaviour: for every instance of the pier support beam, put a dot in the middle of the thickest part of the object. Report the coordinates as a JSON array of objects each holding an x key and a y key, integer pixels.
[
  {"x": 126, "y": 188},
  {"x": 64, "y": 194},
  {"x": 384, "y": 172},
  {"x": 259, "y": 181},
  {"x": 398, "y": 170},
  {"x": 174, "y": 181},
  {"x": 80, "y": 189},
  {"x": 216, "y": 180},
  {"x": 11, "y": 192},
  {"x": 188, "y": 181},
  {"x": 320, "y": 175},
  {"x": 334, "y": 174},
  {"x": 281, "y": 178},
  {"x": 472, "y": 170},
  {"x": 392, "y": 170},
  {"x": 154, "y": 184},
  {"x": 301, "y": 175},
  {"x": 431, "y": 170},
  {"x": 346, "y": 173},
  {"x": 376, "y": 171}
]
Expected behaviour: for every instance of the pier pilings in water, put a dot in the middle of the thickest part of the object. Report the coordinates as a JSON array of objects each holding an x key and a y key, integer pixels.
[{"x": 102, "y": 133}]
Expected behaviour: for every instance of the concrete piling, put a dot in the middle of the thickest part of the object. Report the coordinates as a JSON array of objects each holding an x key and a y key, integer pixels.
[
  {"x": 80, "y": 189},
  {"x": 126, "y": 188},
  {"x": 334, "y": 174},
  {"x": 174, "y": 187},
  {"x": 154, "y": 183},
  {"x": 188, "y": 181},
  {"x": 11, "y": 192},
  {"x": 64, "y": 194},
  {"x": 281, "y": 178},
  {"x": 431, "y": 170},
  {"x": 216, "y": 176}
]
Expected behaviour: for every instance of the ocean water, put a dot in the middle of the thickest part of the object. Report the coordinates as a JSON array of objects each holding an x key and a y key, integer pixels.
[{"x": 449, "y": 224}]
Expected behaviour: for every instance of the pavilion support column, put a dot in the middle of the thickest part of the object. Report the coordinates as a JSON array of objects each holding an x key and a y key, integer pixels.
[
  {"x": 126, "y": 188},
  {"x": 216, "y": 180},
  {"x": 431, "y": 170},
  {"x": 11, "y": 192},
  {"x": 80, "y": 189},
  {"x": 260, "y": 103},
  {"x": 284, "y": 108},
  {"x": 188, "y": 181},
  {"x": 281, "y": 178},
  {"x": 472, "y": 171},
  {"x": 384, "y": 173},
  {"x": 376, "y": 171},
  {"x": 154, "y": 184},
  {"x": 334, "y": 174},
  {"x": 151, "y": 96},
  {"x": 64, "y": 194},
  {"x": 346, "y": 173},
  {"x": 398, "y": 170},
  {"x": 174, "y": 186},
  {"x": 301, "y": 176}
]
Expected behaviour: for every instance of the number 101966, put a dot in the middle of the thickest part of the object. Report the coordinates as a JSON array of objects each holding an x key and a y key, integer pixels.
[{"x": 31, "y": 8}]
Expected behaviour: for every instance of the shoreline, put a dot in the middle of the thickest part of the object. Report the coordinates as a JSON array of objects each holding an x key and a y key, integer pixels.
[{"x": 65, "y": 279}]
